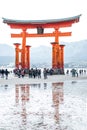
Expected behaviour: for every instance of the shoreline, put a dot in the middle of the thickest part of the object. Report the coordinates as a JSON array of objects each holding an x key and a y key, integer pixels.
[{"x": 53, "y": 78}]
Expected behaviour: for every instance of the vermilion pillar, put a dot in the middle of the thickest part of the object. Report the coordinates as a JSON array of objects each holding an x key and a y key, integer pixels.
[
  {"x": 17, "y": 50},
  {"x": 56, "y": 35},
  {"x": 58, "y": 54},
  {"x": 55, "y": 55},
  {"x": 23, "y": 50},
  {"x": 27, "y": 59},
  {"x": 54, "y": 65},
  {"x": 62, "y": 56}
]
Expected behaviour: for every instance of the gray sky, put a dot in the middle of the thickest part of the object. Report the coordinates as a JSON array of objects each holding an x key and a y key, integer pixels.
[{"x": 43, "y": 9}]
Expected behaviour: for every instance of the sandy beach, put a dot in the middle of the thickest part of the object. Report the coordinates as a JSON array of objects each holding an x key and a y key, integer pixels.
[
  {"x": 54, "y": 78},
  {"x": 56, "y": 103}
]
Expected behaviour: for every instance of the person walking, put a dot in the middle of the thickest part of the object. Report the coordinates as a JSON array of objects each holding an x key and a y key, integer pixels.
[
  {"x": 45, "y": 73},
  {"x": 6, "y": 73}
]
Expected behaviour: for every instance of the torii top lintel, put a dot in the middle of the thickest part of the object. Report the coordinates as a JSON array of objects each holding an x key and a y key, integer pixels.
[{"x": 51, "y": 23}]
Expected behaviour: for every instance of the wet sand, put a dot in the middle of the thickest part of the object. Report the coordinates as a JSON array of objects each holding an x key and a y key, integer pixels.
[
  {"x": 56, "y": 103},
  {"x": 54, "y": 78}
]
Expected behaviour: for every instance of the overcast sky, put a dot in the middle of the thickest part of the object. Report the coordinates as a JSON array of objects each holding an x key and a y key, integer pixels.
[{"x": 43, "y": 9}]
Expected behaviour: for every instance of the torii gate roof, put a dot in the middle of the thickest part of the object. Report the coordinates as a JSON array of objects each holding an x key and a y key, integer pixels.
[{"x": 48, "y": 21}]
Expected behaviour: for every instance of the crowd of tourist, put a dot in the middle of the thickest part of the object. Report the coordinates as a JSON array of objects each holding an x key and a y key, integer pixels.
[
  {"x": 38, "y": 73},
  {"x": 33, "y": 72},
  {"x": 75, "y": 72}
]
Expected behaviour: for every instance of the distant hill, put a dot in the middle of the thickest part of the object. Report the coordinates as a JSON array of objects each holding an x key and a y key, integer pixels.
[
  {"x": 6, "y": 50},
  {"x": 6, "y": 54},
  {"x": 41, "y": 54},
  {"x": 76, "y": 51},
  {"x": 5, "y": 60},
  {"x": 73, "y": 52}
]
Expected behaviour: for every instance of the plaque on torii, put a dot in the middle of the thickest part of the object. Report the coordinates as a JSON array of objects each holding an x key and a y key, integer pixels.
[{"x": 41, "y": 25}]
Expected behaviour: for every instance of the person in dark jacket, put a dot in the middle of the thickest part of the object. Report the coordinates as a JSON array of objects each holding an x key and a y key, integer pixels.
[{"x": 6, "y": 73}]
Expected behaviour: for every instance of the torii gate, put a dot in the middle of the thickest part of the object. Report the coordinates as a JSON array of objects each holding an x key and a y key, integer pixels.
[{"x": 40, "y": 25}]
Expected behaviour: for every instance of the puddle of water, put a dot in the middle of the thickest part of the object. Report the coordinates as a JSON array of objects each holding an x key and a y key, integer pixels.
[{"x": 44, "y": 106}]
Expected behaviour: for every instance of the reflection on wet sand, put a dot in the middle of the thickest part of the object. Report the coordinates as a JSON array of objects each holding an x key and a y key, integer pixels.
[
  {"x": 45, "y": 85},
  {"x": 4, "y": 86},
  {"x": 43, "y": 106},
  {"x": 22, "y": 95},
  {"x": 57, "y": 92}
]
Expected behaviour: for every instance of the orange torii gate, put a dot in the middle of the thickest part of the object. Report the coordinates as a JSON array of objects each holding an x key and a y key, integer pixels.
[{"x": 40, "y": 25}]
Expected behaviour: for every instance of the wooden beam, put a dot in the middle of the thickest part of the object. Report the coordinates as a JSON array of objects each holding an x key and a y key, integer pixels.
[
  {"x": 16, "y": 35},
  {"x": 65, "y": 34},
  {"x": 42, "y": 35}
]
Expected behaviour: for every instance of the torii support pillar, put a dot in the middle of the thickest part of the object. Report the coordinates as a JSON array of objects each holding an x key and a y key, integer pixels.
[
  {"x": 62, "y": 58},
  {"x": 27, "y": 60},
  {"x": 23, "y": 50},
  {"x": 55, "y": 55},
  {"x": 17, "y": 50}
]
